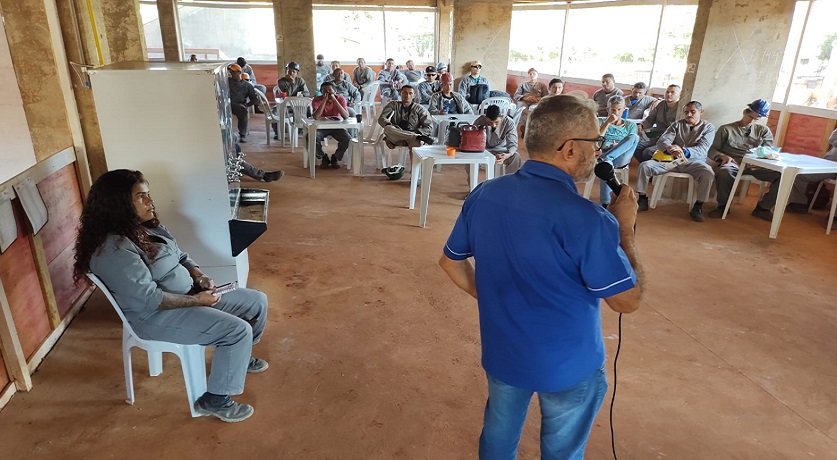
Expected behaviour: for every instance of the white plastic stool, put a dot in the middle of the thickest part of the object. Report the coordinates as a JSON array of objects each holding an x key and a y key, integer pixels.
[
  {"x": 660, "y": 183},
  {"x": 192, "y": 357}
]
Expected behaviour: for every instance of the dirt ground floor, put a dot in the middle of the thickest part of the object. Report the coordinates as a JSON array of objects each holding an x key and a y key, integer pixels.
[{"x": 375, "y": 354}]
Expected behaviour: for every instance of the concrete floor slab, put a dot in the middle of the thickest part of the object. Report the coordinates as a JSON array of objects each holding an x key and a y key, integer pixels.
[{"x": 374, "y": 354}]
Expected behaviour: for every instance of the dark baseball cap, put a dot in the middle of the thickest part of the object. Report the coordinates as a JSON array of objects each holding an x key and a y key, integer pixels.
[{"x": 430, "y": 69}]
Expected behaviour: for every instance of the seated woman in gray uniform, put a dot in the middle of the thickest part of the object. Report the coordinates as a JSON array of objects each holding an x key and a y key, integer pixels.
[{"x": 163, "y": 293}]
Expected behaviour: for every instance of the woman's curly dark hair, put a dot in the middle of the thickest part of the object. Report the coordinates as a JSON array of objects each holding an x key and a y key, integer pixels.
[{"x": 110, "y": 210}]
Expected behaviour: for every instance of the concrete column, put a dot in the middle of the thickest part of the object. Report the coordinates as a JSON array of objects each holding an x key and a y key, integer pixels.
[
  {"x": 736, "y": 54},
  {"x": 123, "y": 30},
  {"x": 295, "y": 37},
  {"x": 170, "y": 29},
  {"x": 443, "y": 35},
  {"x": 481, "y": 31},
  {"x": 33, "y": 57}
]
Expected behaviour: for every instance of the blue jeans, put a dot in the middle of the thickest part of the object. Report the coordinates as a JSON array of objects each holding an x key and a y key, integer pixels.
[
  {"x": 619, "y": 156},
  {"x": 566, "y": 418}
]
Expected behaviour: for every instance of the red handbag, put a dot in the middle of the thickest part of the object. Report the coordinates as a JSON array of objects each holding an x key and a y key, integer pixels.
[{"x": 473, "y": 139}]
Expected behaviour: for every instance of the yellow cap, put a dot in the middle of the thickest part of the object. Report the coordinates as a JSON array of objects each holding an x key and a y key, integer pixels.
[{"x": 659, "y": 155}]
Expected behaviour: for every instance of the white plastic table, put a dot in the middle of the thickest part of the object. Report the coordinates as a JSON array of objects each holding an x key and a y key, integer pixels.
[
  {"x": 442, "y": 122},
  {"x": 424, "y": 158},
  {"x": 312, "y": 125},
  {"x": 789, "y": 165}
]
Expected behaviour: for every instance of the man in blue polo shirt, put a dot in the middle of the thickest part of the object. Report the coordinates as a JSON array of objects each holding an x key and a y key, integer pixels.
[{"x": 543, "y": 258}]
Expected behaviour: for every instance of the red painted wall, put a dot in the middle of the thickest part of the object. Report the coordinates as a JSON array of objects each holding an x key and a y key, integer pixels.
[
  {"x": 4, "y": 376},
  {"x": 266, "y": 74},
  {"x": 63, "y": 201},
  {"x": 20, "y": 281},
  {"x": 62, "y": 198},
  {"x": 805, "y": 134},
  {"x": 513, "y": 81}
]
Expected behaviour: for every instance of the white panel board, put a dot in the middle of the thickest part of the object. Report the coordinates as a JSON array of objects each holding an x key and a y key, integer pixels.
[{"x": 16, "y": 151}]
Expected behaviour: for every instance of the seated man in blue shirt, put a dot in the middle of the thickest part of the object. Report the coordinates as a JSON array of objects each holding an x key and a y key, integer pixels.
[
  {"x": 620, "y": 140},
  {"x": 545, "y": 256}
]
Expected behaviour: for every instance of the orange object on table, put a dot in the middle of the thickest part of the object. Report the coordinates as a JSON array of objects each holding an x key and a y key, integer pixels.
[{"x": 451, "y": 151}]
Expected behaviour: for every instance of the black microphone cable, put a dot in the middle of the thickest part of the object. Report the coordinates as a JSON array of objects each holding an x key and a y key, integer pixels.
[
  {"x": 613, "y": 395},
  {"x": 604, "y": 171}
]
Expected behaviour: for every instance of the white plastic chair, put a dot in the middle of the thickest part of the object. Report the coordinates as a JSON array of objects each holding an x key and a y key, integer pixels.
[
  {"x": 269, "y": 116},
  {"x": 373, "y": 138},
  {"x": 502, "y": 102},
  {"x": 518, "y": 114},
  {"x": 660, "y": 183},
  {"x": 367, "y": 103},
  {"x": 744, "y": 183},
  {"x": 299, "y": 105},
  {"x": 192, "y": 357},
  {"x": 833, "y": 202},
  {"x": 623, "y": 174}
]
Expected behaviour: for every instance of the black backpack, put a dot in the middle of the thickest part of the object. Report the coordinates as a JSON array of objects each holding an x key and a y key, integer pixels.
[
  {"x": 477, "y": 93},
  {"x": 454, "y": 135}
]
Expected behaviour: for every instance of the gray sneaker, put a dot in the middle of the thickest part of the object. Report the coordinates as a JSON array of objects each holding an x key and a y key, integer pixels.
[
  {"x": 256, "y": 365},
  {"x": 223, "y": 407}
]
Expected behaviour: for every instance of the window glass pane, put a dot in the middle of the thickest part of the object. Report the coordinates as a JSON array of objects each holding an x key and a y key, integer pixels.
[
  {"x": 815, "y": 81},
  {"x": 603, "y": 40},
  {"x": 675, "y": 40},
  {"x": 790, "y": 51},
  {"x": 345, "y": 35},
  {"x": 226, "y": 33},
  {"x": 536, "y": 40},
  {"x": 410, "y": 35},
  {"x": 151, "y": 29}
]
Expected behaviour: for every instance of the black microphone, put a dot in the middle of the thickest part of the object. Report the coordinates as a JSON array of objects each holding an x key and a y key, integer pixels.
[{"x": 604, "y": 171}]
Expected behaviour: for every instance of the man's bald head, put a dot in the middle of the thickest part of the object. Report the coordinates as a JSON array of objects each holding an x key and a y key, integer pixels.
[{"x": 556, "y": 119}]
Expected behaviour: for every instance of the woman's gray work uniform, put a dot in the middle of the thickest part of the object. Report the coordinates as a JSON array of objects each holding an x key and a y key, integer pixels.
[{"x": 137, "y": 283}]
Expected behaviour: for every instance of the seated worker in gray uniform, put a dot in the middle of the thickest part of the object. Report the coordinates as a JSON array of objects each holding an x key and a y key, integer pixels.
[
  {"x": 292, "y": 83},
  {"x": 362, "y": 76},
  {"x": 446, "y": 101},
  {"x": 427, "y": 87},
  {"x": 242, "y": 96},
  {"x": 322, "y": 70},
  {"x": 602, "y": 96},
  {"x": 732, "y": 142},
  {"x": 501, "y": 137},
  {"x": 473, "y": 78},
  {"x": 246, "y": 69},
  {"x": 405, "y": 123},
  {"x": 688, "y": 138},
  {"x": 343, "y": 87},
  {"x": 531, "y": 91},
  {"x": 659, "y": 118},
  {"x": 163, "y": 293},
  {"x": 391, "y": 82},
  {"x": 256, "y": 173},
  {"x": 528, "y": 94},
  {"x": 638, "y": 102},
  {"x": 413, "y": 74}
]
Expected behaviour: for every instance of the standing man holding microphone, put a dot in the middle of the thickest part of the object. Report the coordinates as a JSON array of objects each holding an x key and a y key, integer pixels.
[{"x": 543, "y": 257}]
